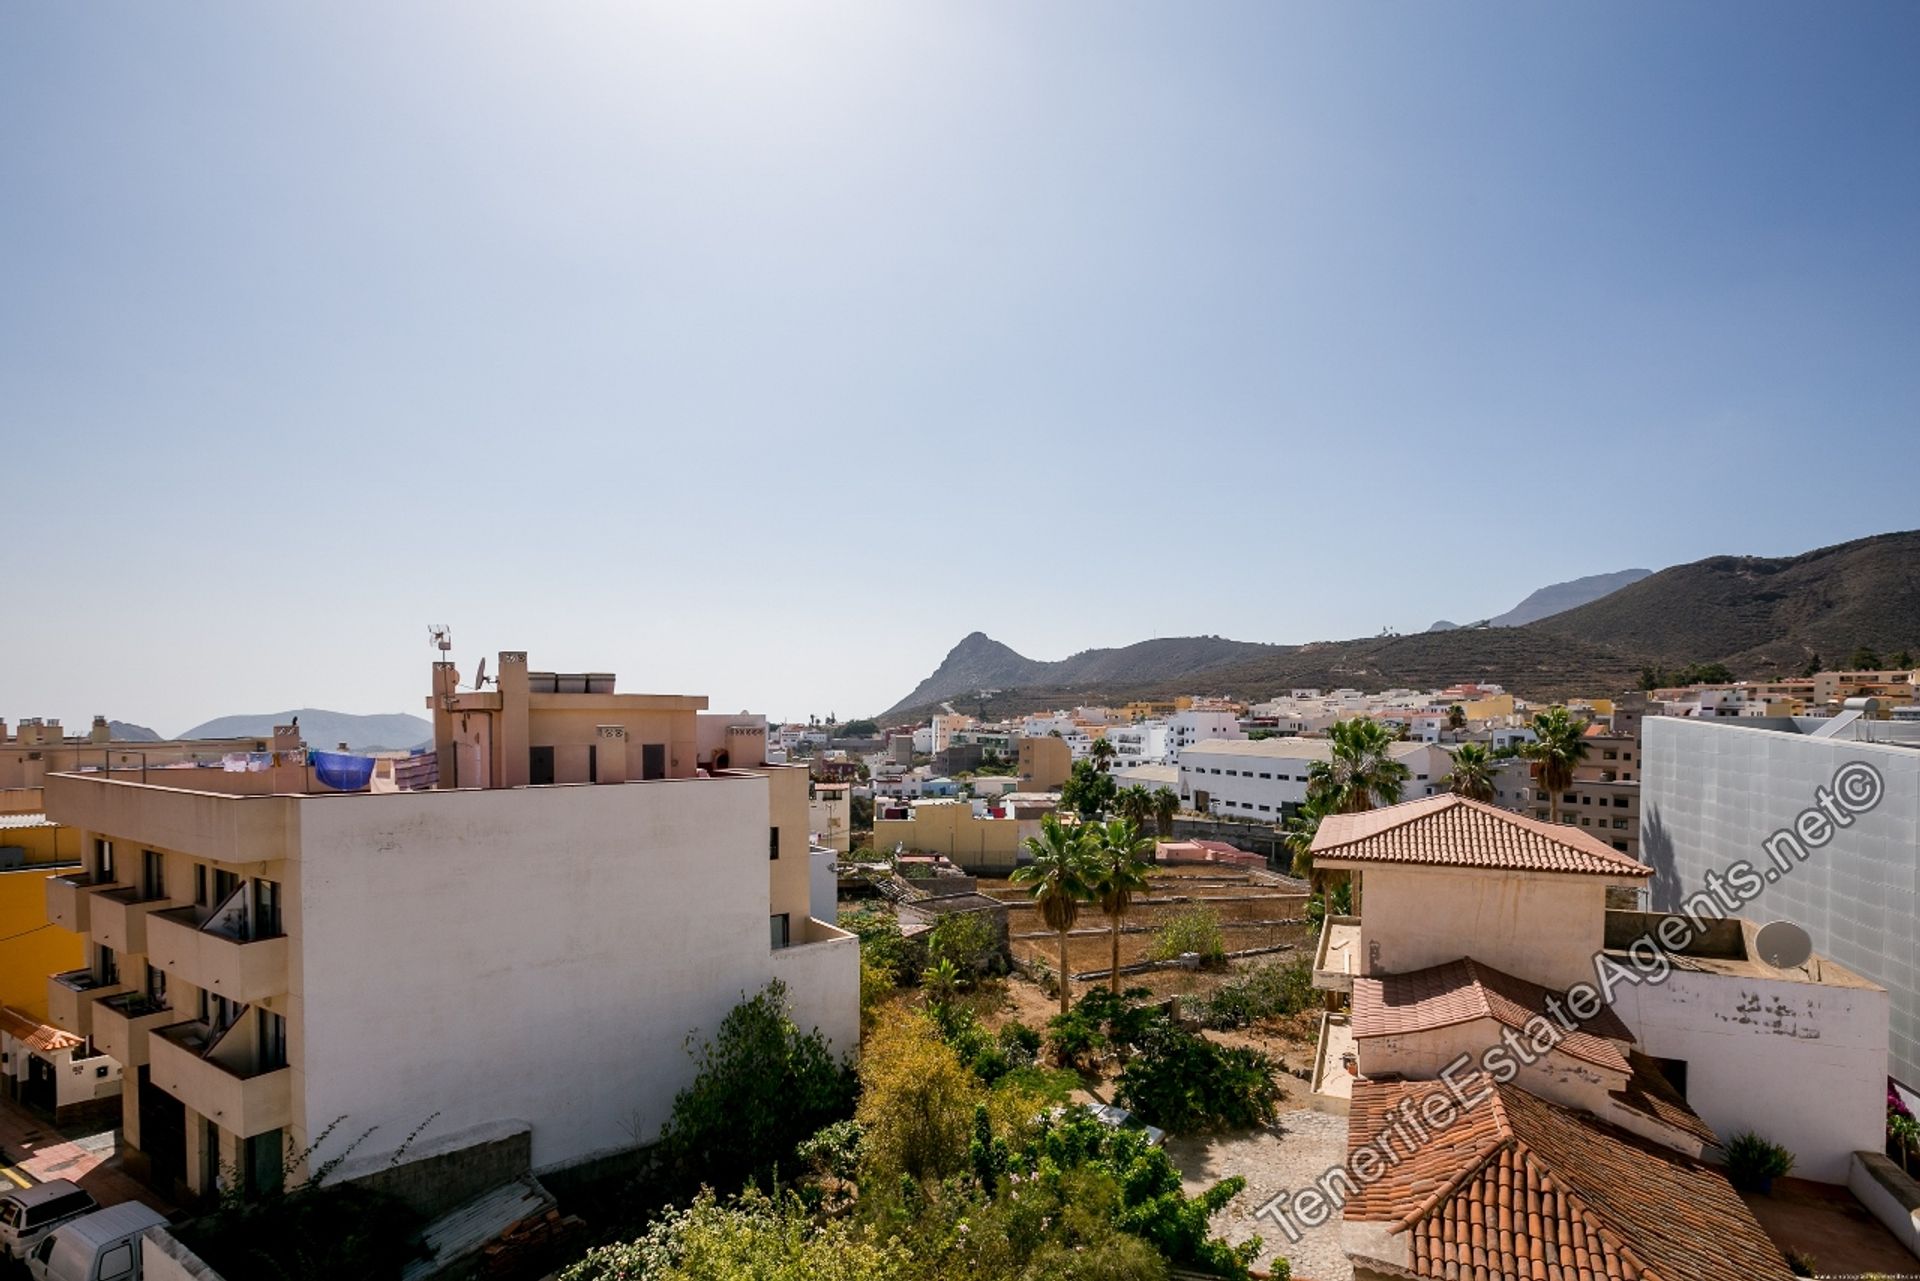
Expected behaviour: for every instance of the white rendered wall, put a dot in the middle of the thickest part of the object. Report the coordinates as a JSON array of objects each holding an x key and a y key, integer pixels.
[
  {"x": 1802, "y": 1064},
  {"x": 535, "y": 954}
]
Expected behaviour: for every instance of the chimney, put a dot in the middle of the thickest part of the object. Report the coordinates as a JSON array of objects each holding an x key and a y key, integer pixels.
[{"x": 100, "y": 733}]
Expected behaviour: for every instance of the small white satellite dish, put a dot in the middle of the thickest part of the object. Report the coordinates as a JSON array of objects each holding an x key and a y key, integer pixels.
[{"x": 1783, "y": 945}]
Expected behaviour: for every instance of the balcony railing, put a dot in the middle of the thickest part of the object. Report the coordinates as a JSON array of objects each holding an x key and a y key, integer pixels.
[
  {"x": 1337, "y": 959},
  {"x": 71, "y": 998},
  {"x": 70, "y": 900},
  {"x": 121, "y": 1024},
  {"x": 210, "y": 953},
  {"x": 237, "y": 1092},
  {"x": 120, "y": 918}
]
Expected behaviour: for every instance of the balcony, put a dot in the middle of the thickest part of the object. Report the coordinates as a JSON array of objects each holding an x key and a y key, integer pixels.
[
  {"x": 70, "y": 900},
  {"x": 213, "y": 955},
  {"x": 121, "y": 1024},
  {"x": 71, "y": 998},
  {"x": 120, "y": 918},
  {"x": 1338, "y": 958},
  {"x": 233, "y": 1090}
]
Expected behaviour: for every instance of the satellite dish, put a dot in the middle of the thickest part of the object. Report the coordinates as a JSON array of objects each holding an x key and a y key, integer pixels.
[
  {"x": 1783, "y": 945},
  {"x": 480, "y": 676}
]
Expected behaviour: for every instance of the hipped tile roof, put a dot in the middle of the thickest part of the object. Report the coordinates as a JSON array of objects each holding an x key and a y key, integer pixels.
[
  {"x": 41, "y": 1037},
  {"x": 1464, "y": 990},
  {"x": 1520, "y": 1189},
  {"x": 1453, "y": 831}
]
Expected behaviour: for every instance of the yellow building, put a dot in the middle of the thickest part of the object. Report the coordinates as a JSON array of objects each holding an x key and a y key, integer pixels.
[
  {"x": 1045, "y": 763},
  {"x": 1491, "y": 707},
  {"x": 32, "y": 849},
  {"x": 983, "y": 846}
]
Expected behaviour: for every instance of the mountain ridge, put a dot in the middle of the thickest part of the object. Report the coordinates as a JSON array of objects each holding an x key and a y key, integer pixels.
[
  {"x": 325, "y": 730},
  {"x": 1762, "y": 616}
]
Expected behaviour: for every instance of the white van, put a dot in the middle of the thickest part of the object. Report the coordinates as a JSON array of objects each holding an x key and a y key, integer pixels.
[
  {"x": 27, "y": 1214},
  {"x": 103, "y": 1246}
]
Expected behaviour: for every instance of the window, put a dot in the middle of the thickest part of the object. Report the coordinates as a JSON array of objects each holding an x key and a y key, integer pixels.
[
  {"x": 778, "y": 930},
  {"x": 106, "y": 966},
  {"x": 200, "y": 884},
  {"x": 773, "y": 843},
  {"x": 1265, "y": 809},
  {"x": 103, "y": 861},
  {"x": 1619, "y": 802},
  {"x": 266, "y": 909},
  {"x": 273, "y": 1041},
  {"x": 116, "y": 1262},
  {"x": 156, "y": 986},
  {"x": 153, "y": 874}
]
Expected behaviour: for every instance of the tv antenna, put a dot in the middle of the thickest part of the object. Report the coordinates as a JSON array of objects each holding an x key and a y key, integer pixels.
[{"x": 440, "y": 636}]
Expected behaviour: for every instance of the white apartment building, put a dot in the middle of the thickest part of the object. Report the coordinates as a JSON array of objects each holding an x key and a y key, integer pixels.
[
  {"x": 1200, "y": 725},
  {"x": 1263, "y": 779},
  {"x": 1142, "y": 743},
  {"x": 609, "y": 876}
]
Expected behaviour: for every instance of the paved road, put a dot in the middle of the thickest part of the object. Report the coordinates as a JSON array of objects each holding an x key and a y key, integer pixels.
[{"x": 33, "y": 1151}]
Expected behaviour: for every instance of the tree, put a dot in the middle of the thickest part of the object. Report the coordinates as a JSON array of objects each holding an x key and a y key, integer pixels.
[
  {"x": 1166, "y": 803},
  {"x": 1360, "y": 771},
  {"x": 1456, "y": 717},
  {"x": 916, "y": 1102},
  {"x": 1814, "y": 666},
  {"x": 1901, "y": 660},
  {"x": 1057, "y": 880},
  {"x": 1472, "y": 773},
  {"x": 1102, "y": 753},
  {"x": 1120, "y": 870},
  {"x": 859, "y": 729},
  {"x": 1558, "y": 748},
  {"x": 762, "y": 1085},
  {"x": 1301, "y": 827},
  {"x": 1135, "y": 804},
  {"x": 1088, "y": 792},
  {"x": 1864, "y": 659}
]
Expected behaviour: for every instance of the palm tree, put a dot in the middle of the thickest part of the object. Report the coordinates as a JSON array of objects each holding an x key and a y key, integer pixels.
[
  {"x": 1359, "y": 771},
  {"x": 1057, "y": 880},
  {"x": 1558, "y": 748},
  {"x": 1102, "y": 753},
  {"x": 1135, "y": 804},
  {"x": 1472, "y": 775},
  {"x": 1166, "y": 803},
  {"x": 1456, "y": 717},
  {"x": 1298, "y": 835},
  {"x": 1120, "y": 869}
]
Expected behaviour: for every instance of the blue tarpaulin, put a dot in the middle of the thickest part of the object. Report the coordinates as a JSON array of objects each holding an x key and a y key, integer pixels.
[{"x": 340, "y": 771}]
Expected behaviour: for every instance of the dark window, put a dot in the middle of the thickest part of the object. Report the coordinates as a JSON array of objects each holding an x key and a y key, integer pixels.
[
  {"x": 773, "y": 843},
  {"x": 593, "y": 762},
  {"x": 653, "y": 760},
  {"x": 778, "y": 930},
  {"x": 103, "y": 861},
  {"x": 106, "y": 966},
  {"x": 153, "y": 874},
  {"x": 200, "y": 884},
  {"x": 266, "y": 909}
]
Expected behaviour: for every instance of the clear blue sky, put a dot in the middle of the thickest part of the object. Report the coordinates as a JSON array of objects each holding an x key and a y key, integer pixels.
[{"x": 766, "y": 351}]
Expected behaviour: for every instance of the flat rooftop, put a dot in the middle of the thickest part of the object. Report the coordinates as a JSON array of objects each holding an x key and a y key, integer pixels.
[{"x": 1724, "y": 945}]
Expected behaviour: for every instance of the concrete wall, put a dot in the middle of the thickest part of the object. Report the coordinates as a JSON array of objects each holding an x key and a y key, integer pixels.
[
  {"x": 535, "y": 954},
  {"x": 33, "y": 947},
  {"x": 1422, "y": 1056},
  {"x": 1545, "y": 928},
  {"x": 1713, "y": 792},
  {"x": 1802, "y": 1064}
]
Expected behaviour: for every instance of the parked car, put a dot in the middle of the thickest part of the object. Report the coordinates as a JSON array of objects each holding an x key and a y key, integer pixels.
[
  {"x": 28, "y": 1214},
  {"x": 102, "y": 1246}
]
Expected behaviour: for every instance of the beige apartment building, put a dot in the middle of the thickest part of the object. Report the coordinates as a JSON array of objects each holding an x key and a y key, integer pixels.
[
  {"x": 597, "y": 877},
  {"x": 1045, "y": 763},
  {"x": 37, "y": 747}
]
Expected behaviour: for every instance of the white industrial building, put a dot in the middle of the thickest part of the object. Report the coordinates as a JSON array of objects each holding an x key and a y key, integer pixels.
[
  {"x": 1261, "y": 778},
  {"x": 1720, "y": 792}
]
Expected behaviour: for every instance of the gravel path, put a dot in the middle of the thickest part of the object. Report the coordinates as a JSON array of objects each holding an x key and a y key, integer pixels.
[{"x": 1299, "y": 1147}]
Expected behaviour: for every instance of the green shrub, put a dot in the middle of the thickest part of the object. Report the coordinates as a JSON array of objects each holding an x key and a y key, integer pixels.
[
  {"x": 969, "y": 940},
  {"x": 1195, "y": 929},
  {"x": 1020, "y": 1043},
  {"x": 882, "y": 944},
  {"x": 1753, "y": 1162},
  {"x": 1264, "y": 992},
  {"x": 754, "y": 1236},
  {"x": 1185, "y": 1083},
  {"x": 762, "y": 1086},
  {"x": 1121, "y": 1018},
  {"x": 1073, "y": 1040}
]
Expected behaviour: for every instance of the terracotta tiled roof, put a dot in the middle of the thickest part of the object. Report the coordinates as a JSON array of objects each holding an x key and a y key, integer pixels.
[
  {"x": 43, "y": 1037},
  {"x": 1452, "y": 831},
  {"x": 1540, "y": 1193},
  {"x": 1465, "y": 990},
  {"x": 1650, "y": 1093}
]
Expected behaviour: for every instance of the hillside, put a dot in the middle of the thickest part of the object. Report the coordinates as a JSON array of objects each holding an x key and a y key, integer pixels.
[
  {"x": 128, "y": 732},
  {"x": 325, "y": 730},
  {"x": 980, "y": 662},
  {"x": 1762, "y": 615},
  {"x": 1555, "y": 598}
]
